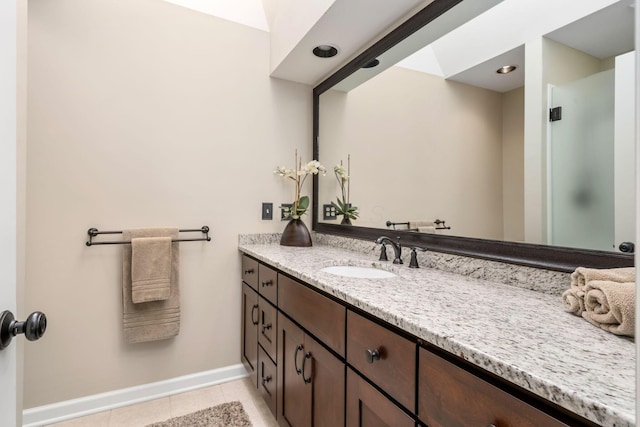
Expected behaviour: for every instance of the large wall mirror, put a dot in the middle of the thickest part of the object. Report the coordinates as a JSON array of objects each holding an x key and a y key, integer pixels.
[{"x": 534, "y": 166}]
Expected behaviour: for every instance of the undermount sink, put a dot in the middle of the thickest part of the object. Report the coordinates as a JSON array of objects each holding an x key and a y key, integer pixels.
[{"x": 358, "y": 272}]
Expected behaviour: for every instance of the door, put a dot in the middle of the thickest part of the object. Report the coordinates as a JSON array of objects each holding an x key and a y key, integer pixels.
[
  {"x": 8, "y": 126},
  {"x": 581, "y": 164}
]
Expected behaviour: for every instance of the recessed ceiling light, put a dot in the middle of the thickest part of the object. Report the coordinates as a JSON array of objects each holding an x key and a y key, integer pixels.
[
  {"x": 506, "y": 69},
  {"x": 374, "y": 62},
  {"x": 325, "y": 51}
]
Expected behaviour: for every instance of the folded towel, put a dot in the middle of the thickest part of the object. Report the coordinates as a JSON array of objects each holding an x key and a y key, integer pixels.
[
  {"x": 153, "y": 320},
  {"x": 582, "y": 275},
  {"x": 150, "y": 269},
  {"x": 427, "y": 229},
  {"x": 573, "y": 301},
  {"x": 413, "y": 225},
  {"x": 611, "y": 306}
]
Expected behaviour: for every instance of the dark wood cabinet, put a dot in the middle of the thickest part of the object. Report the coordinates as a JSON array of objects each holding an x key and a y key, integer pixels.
[
  {"x": 367, "y": 407},
  {"x": 311, "y": 380},
  {"x": 250, "y": 272},
  {"x": 319, "y": 362},
  {"x": 267, "y": 329},
  {"x": 268, "y": 283},
  {"x": 384, "y": 357},
  {"x": 267, "y": 375},
  {"x": 453, "y": 397},
  {"x": 249, "y": 350},
  {"x": 321, "y": 316}
]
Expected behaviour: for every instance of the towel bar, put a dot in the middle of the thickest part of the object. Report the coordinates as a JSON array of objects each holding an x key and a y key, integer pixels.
[
  {"x": 93, "y": 232},
  {"x": 440, "y": 225}
]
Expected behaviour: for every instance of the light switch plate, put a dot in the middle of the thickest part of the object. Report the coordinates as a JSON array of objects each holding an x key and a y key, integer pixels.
[{"x": 267, "y": 210}]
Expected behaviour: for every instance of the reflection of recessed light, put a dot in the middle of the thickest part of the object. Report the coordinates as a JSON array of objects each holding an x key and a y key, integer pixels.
[
  {"x": 371, "y": 64},
  {"x": 325, "y": 51},
  {"x": 506, "y": 69}
]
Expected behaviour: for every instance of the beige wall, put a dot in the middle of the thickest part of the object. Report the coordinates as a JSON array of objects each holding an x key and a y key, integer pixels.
[
  {"x": 421, "y": 148},
  {"x": 142, "y": 113},
  {"x": 513, "y": 164}
]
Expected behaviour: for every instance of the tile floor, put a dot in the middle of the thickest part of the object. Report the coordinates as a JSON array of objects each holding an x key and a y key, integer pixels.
[{"x": 152, "y": 411}]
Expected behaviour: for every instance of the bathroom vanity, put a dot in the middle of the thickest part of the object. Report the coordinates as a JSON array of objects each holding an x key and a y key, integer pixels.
[{"x": 424, "y": 347}]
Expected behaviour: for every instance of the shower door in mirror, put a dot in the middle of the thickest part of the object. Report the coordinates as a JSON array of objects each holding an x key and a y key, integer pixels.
[{"x": 582, "y": 189}]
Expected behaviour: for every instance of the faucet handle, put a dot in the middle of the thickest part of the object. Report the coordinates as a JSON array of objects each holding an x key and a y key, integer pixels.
[{"x": 414, "y": 256}]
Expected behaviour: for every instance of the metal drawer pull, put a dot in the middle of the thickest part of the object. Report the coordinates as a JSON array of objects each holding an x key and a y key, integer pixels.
[
  {"x": 249, "y": 271},
  {"x": 373, "y": 355},
  {"x": 253, "y": 309},
  {"x": 266, "y": 379},
  {"x": 267, "y": 283},
  {"x": 295, "y": 359},
  {"x": 304, "y": 362}
]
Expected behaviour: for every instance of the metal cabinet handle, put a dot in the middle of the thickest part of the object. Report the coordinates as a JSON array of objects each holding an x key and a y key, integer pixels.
[
  {"x": 249, "y": 271},
  {"x": 253, "y": 310},
  {"x": 304, "y": 362},
  {"x": 295, "y": 359},
  {"x": 267, "y": 283},
  {"x": 372, "y": 355},
  {"x": 33, "y": 328},
  {"x": 266, "y": 379}
]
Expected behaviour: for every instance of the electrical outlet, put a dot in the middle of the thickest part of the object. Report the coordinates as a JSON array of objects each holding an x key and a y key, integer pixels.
[
  {"x": 285, "y": 211},
  {"x": 329, "y": 212},
  {"x": 267, "y": 210}
]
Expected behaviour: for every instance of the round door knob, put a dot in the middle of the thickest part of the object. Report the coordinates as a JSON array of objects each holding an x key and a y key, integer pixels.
[
  {"x": 373, "y": 355},
  {"x": 627, "y": 247},
  {"x": 33, "y": 328}
]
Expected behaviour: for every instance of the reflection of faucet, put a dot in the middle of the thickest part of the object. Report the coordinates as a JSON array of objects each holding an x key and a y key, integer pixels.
[{"x": 397, "y": 248}]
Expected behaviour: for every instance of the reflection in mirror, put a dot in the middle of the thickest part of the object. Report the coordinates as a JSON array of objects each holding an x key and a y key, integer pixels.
[{"x": 441, "y": 135}]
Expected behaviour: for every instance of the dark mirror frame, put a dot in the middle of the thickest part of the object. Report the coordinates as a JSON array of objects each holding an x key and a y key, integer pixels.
[{"x": 532, "y": 255}]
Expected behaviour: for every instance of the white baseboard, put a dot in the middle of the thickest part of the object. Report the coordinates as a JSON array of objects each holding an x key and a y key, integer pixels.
[{"x": 61, "y": 411}]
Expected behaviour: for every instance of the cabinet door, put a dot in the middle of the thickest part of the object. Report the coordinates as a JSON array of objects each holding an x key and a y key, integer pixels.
[
  {"x": 267, "y": 328},
  {"x": 325, "y": 375},
  {"x": 249, "y": 348},
  {"x": 293, "y": 397},
  {"x": 367, "y": 407},
  {"x": 267, "y": 380}
]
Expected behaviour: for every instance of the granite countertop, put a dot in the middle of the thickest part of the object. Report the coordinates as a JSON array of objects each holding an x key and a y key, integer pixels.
[{"x": 521, "y": 335}]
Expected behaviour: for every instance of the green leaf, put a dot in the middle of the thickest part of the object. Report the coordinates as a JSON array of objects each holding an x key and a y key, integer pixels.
[{"x": 303, "y": 204}]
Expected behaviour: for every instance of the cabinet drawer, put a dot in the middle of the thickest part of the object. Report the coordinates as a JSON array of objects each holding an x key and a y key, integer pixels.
[
  {"x": 250, "y": 271},
  {"x": 267, "y": 328},
  {"x": 268, "y": 283},
  {"x": 316, "y": 313},
  {"x": 267, "y": 380},
  {"x": 383, "y": 356},
  {"x": 449, "y": 396}
]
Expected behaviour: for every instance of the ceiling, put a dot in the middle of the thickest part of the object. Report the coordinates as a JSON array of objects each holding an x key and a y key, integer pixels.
[
  {"x": 605, "y": 33},
  {"x": 349, "y": 25}
]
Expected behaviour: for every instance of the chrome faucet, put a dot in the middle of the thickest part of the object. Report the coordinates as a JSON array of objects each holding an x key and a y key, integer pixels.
[{"x": 397, "y": 248}]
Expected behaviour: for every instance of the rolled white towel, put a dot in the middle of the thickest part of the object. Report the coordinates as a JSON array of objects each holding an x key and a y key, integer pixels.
[
  {"x": 582, "y": 275},
  {"x": 573, "y": 301},
  {"x": 611, "y": 306}
]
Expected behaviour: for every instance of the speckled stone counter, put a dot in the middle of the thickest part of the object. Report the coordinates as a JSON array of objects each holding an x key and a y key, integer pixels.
[{"x": 521, "y": 335}]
